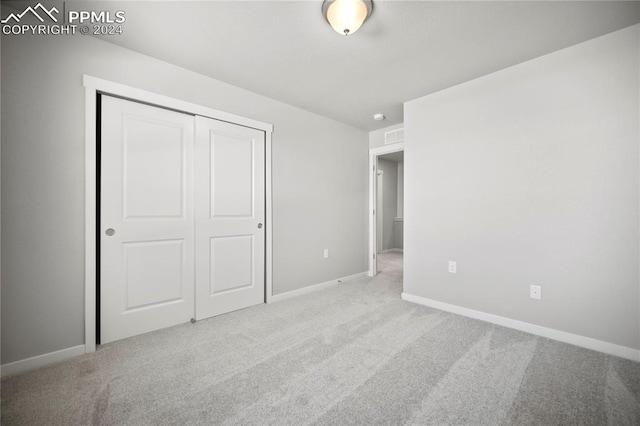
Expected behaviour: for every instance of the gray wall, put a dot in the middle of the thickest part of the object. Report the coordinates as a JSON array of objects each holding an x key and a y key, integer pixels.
[
  {"x": 398, "y": 234},
  {"x": 530, "y": 176},
  {"x": 390, "y": 201},
  {"x": 319, "y": 182}
]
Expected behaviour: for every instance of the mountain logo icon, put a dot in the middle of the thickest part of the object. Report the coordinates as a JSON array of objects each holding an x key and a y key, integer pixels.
[{"x": 34, "y": 11}]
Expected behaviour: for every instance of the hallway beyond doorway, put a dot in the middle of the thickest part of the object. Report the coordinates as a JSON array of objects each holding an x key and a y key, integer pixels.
[{"x": 390, "y": 265}]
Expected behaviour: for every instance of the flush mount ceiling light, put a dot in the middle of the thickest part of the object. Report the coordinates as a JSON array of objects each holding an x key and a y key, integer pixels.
[
  {"x": 378, "y": 117},
  {"x": 346, "y": 16}
]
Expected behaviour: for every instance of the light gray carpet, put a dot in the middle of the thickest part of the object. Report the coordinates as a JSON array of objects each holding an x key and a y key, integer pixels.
[{"x": 352, "y": 354}]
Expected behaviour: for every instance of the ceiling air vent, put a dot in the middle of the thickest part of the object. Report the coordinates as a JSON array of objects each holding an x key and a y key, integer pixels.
[{"x": 394, "y": 136}]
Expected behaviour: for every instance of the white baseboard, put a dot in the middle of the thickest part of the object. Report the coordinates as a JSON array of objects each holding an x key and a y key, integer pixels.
[
  {"x": 550, "y": 333},
  {"x": 40, "y": 360},
  {"x": 315, "y": 287},
  {"x": 393, "y": 250}
]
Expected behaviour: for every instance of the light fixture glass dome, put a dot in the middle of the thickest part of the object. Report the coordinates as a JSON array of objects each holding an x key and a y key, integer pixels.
[{"x": 346, "y": 16}]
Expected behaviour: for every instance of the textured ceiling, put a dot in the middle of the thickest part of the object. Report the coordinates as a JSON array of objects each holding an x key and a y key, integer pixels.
[{"x": 407, "y": 49}]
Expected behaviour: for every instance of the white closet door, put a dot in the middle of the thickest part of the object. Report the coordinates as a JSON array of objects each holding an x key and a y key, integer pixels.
[
  {"x": 230, "y": 212},
  {"x": 147, "y": 219}
]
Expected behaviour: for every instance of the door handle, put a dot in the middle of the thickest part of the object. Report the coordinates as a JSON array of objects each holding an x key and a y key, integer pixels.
[
  {"x": 259, "y": 226},
  {"x": 110, "y": 232}
]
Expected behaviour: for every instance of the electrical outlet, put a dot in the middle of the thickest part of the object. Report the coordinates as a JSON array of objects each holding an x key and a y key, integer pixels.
[
  {"x": 453, "y": 267},
  {"x": 535, "y": 292},
  {"x": 326, "y": 253}
]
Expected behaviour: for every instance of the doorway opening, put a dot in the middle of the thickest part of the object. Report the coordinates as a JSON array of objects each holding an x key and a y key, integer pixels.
[
  {"x": 389, "y": 212},
  {"x": 386, "y": 231}
]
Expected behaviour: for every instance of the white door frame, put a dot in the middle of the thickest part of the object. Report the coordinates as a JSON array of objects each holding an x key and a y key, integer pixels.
[
  {"x": 374, "y": 153},
  {"x": 379, "y": 216},
  {"x": 94, "y": 86}
]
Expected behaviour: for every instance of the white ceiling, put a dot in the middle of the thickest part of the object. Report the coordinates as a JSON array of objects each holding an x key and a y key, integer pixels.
[{"x": 407, "y": 49}]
